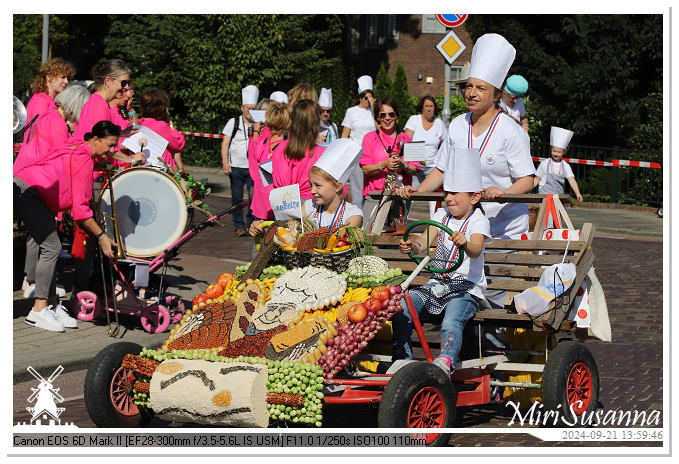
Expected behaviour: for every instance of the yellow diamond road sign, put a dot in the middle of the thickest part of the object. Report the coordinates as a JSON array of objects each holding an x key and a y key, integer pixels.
[{"x": 451, "y": 47}]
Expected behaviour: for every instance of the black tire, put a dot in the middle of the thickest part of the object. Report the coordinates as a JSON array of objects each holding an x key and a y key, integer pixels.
[
  {"x": 98, "y": 380},
  {"x": 409, "y": 383},
  {"x": 570, "y": 366}
]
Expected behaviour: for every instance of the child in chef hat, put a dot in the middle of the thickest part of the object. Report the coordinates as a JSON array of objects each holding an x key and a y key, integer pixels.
[
  {"x": 456, "y": 294},
  {"x": 327, "y": 177},
  {"x": 553, "y": 172}
]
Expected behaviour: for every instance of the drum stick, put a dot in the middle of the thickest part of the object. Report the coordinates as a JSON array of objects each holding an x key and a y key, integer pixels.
[{"x": 142, "y": 144}]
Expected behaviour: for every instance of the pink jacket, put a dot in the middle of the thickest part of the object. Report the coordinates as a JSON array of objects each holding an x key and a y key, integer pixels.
[
  {"x": 374, "y": 152},
  {"x": 289, "y": 171},
  {"x": 96, "y": 109},
  {"x": 63, "y": 178},
  {"x": 175, "y": 140},
  {"x": 117, "y": 118},
  {"x": 258, "y": 153},
  {"x": 40, "y": 104},
  {"x": 48, "y": 132}
]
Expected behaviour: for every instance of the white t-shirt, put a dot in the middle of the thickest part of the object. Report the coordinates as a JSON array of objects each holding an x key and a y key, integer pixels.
[
  {"x": 471, "y": 269},
  {"x": 360, "y": 121},
  {"x": 321, "y": 219},
  {"x": 432, "y": 138},
  {"x": 516, "y": 111},
  {"x": 238, "y": 150},
  {"x": 505, "y": 158},
  {"x": 562, "y": 169}
]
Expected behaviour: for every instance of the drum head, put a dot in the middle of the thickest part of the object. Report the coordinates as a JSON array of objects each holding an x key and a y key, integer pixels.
[{"x": 151, "y": 209}]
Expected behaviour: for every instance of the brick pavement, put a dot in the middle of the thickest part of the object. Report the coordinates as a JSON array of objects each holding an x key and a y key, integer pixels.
[{"x": 630, "y": 368}]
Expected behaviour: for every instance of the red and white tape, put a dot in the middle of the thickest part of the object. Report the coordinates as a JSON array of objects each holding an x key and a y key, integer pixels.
[
  {"x": 612, "y": 163},
  {"x": 202, "y": 134}
]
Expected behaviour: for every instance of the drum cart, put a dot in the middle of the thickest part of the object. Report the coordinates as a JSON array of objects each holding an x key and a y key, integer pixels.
[
  {"x": 137, "y": 209},
  {"x": 416, "y": 393}
]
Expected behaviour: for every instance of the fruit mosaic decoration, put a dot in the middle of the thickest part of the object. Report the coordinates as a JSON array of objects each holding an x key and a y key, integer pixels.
[{"x": 372, "y": 271}]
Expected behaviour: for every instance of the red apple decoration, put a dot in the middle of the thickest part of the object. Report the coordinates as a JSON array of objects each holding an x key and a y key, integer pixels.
[
  {"x": 357, "y": 313},
  {"x": 224, "y": 279},
  {"x": 214, "y": 291},
  {"x": 198, "y": 299},
  {"x": 372, "y": 304},
  {"x": 381, "y": 293}
]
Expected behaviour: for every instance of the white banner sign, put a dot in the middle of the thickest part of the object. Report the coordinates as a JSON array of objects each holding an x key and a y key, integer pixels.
[{"x": 286, "y": 202}]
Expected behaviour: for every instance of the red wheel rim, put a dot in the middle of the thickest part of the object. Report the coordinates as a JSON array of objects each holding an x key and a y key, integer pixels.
[
  {"x": 121, "y": 392},
  {"x": 427, "y": 410},
  {"x": 579, "y": 388}
]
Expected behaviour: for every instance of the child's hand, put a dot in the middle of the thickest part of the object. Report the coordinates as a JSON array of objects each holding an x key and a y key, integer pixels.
[
  {"x": 405, "y": 247},
  {"x": 458, "y": 239},
  {"x": 255, "y": 229}
]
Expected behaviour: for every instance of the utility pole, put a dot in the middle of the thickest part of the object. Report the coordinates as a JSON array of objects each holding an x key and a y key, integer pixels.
[{"x": 45, "y": 36}]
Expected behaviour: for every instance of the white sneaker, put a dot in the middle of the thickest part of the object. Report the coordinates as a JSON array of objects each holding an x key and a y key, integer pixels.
[
  {"x": 65, "y": 318},
  {"x": 29, "y": 290},
  {"x": 45, "y": 319},
  {"x": 61, "y": 291}
]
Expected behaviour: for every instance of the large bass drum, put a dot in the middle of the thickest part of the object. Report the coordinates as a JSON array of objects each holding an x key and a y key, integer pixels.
[{"x": 151, "y": 208}]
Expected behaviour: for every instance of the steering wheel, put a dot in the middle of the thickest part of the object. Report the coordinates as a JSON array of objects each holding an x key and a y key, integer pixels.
[{"x": 455, "y": 263}]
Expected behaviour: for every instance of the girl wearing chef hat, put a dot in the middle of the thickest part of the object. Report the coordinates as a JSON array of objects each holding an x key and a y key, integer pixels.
[
  {"x": 553, "y": 172},
  {"x": 504, "y": 147},
  {"x": 457, "y": 294},
  {"x": 357, "y": 122}
]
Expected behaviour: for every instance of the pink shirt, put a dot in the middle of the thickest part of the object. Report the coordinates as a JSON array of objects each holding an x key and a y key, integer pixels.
[
  {"x": 39, "y": 104},
  {"x": 175, "y": 140},
  {"x": 258, "y": 153},
  {"x": 374, "y": 152},
  {"x": 96, "y": 109},
  {"x": 290, "y": 171},
  {"x": 63, "y": 178},
  {"x": 49, "y": 131},
  {"x": 117, "y": 118}
]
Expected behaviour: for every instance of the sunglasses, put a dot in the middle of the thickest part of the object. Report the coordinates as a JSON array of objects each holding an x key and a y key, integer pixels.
[
  {"x": 124, "y": 83},
  {"x": 384, "y": 115},
  {"x": 326, "y": 111},
  {"x": 366, "y": 98}
]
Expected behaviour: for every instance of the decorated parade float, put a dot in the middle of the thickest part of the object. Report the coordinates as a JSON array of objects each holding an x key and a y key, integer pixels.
[{"x": 306, "y": 323}]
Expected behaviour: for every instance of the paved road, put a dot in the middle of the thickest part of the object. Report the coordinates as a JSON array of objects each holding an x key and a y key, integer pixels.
[{"x": 630, "y": 368}]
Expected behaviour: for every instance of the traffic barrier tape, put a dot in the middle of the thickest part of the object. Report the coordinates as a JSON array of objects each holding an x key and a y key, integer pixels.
[{"x": 612, "y": 163}]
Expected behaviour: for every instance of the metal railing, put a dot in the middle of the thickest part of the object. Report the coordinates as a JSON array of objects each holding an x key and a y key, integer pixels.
[{"x": 628, "y": 185}]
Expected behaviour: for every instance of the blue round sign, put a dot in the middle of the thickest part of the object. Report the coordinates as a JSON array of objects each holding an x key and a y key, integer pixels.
[{"x": 451, "y": 20}]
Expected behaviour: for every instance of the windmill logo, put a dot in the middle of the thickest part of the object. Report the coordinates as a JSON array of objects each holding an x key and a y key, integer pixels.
[{"x": 45, "y": 408}]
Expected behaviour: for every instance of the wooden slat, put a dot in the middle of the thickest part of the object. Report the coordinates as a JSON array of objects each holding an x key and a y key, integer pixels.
[
  {"x": 525, "y": 259},
  {"x": 514, "y": 285},
  {"x": 535, "y": 245},
  {"x": 506, "y": 198},
  {"x": 514, "y": 271}
]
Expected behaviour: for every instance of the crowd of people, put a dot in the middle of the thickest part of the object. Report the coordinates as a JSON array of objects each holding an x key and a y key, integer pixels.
[{"x": 290, "y": 138}]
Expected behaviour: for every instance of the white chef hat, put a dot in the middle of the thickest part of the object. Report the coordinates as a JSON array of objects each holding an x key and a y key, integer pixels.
[
  {"x": 492, "y": 57},
  {"x": 250, "y": 95},
  {"x": 278, "y": 96},
  {"x": 464, "y": 171},
  {"x": 340, "y": 158},
  {"x": 559, "y": 137},
  {"x": 365, "y": 83},
  {"x": 325, "y": 98}
]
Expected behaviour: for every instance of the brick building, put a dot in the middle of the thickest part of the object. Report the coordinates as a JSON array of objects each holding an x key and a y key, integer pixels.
[{"x": 410, "y": 39}]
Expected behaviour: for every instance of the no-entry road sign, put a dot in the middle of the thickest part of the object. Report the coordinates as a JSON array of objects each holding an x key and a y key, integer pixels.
[{"x": 451, "y": 20}]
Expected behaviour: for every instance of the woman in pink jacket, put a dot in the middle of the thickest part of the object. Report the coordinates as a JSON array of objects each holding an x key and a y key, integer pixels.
[
  {"x": 261, "y": 150},
  {"x": 60, "y": 180},
  {"x": 111, "y": 78},
  {"x": 155, "y": 104},
  {"x": 294, "y": 158}
]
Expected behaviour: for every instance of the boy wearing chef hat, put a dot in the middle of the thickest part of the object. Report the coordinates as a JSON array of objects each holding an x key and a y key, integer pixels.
[
  {"x": 327, "y": 177},
  {"x": 512, "y": 99},
  {"x": 328, "y": 130},
  {"x": 235, "y": 157},
  {"x": 457, "y": 294},
  {"x": 553, "y": 172}
]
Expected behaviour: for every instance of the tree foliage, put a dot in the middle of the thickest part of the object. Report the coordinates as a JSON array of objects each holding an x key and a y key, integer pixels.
[{"x": 586, "y": 72}]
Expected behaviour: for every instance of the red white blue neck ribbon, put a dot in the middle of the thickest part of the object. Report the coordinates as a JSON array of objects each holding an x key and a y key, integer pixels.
[
  {"x": 489, "y": 133},
  {"x": 463, "y": 227},
  {"x": 335, "y": 219}
]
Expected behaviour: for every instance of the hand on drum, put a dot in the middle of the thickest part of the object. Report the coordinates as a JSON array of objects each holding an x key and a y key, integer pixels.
[
  {"x": 106, "y": 245},
  {"x": 139, "y": 158}
]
